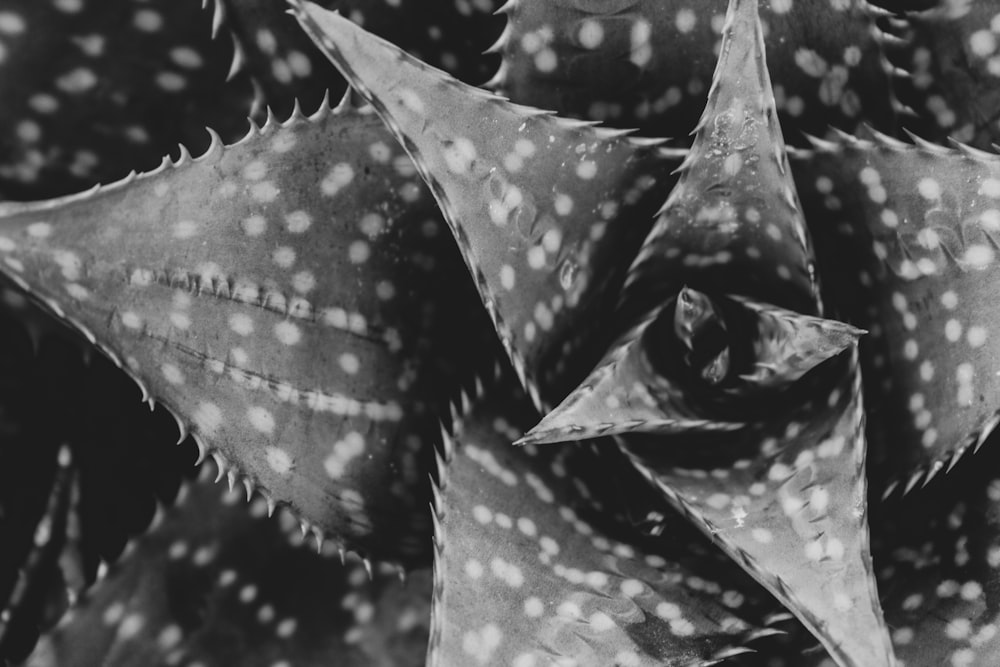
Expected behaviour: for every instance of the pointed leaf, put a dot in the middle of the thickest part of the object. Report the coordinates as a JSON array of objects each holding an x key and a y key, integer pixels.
[
  {"x": 651, "y": 382},
  {"x": 94, "y": 89},
  {"x": 545, "y": 210},
  {"x": 909, "y": 237},
  {"x": 524, "y": 575},
  {"x": 787, "y": 501},
  {"x": 733, "y": 222},
  {"x": 649, "y": 63},
  {"x": 291, "y": 299},
  {"x": 220, "y": 583}
]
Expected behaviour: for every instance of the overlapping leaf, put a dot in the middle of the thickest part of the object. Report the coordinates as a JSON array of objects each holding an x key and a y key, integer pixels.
[
  {"x": 91, "y": 89},
  {"x": 909, "y": 242},
  {"x": 648, "y": 64},
  {"x": 305, "y": 325},
  {"x": 785, "y": 497},
  {"x": 287, "y": 66},
  {"x": 733, "y": 223},
  {"x": 220, "y": 583},
  {"x": 528, "y": 574},
  {"x": 938, "y": 556},
  {"x": 699, "y": 364},
  {"x": 949, "y": 55},
  {"x": 546, "y": 211}
]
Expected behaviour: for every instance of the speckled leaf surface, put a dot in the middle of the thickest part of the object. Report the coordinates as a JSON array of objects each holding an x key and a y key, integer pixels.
[
  {"x": 296, "y": 302},
  {"x": 40, "y": 592},
  {"x": 648, "y": 64},
  {"x": 733, "y": 223},
  {"x": 938, "y": 558},
  {"x": 219, "y": 583},
  {"x": 949, "y": 55},
  {"x": 525, "y": 575},
  {"x": 699, "y": 364},
  {"x": 908, "y": 236},
  {"x": 287, "y": 66},
  {"x": 545, "y": 210},
  {"x": 94, "y": 88},
  {"x": 787, "y": 501}
]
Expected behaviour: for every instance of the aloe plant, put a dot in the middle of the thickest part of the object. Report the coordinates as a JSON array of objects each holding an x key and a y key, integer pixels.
[{"x": 727, "y": 401}]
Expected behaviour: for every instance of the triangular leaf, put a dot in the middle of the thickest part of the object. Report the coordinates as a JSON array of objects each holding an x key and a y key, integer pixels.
[
  {"x": 787, "y": 501},
  {"x": 546, "y": 211},
  {"x": 733, "y": 223},
  {"x": 667, "y": 377},
  {"x": 649, "y": 63},
  {"x": 909, "y": 242},
  {"x": 218, "y": 582},
  {"x": 525, "y": 575},
  {"x": 293, "y": 299}
]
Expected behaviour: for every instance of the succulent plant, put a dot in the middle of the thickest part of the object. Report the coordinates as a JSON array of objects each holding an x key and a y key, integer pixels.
[{"x": 727, "y": 401}]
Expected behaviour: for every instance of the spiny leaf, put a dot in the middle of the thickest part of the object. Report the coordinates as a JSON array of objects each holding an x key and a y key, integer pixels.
[
  {"x": 948, "y": 54},
  {"x": 525, "y": 576},
  {"x": 909, "y": 242},
  {"x": 287, "y": 66},
  {"x": 733, "y": 223},
  {"x": 648, "y": 63},
  {"x": 937, "y": 557},
  {"x": 699, "y": 364},
  {"x": 291, "y": 299},
  {"x": 544, "y": 209},
  {"x": 92, "y": 89},
  {"x": 787, "y": 501},
  {"x": 219, "y": 583}
]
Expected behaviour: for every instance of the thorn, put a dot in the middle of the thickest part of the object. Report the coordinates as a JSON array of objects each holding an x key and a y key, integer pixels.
[
  {"x": 221, "y": 465},
  {"x": 343, "y": 555},
  {"x": 102, "y": 570},
  {"x": 248, "y": 485},
  {"x": 202, "y": 451},
  {"x": 304, "y": 527},
  {"x": 401, "y": 572},
  {"x": 231, "y": 475},
  {"x": 368, "y": 568},
  {"x": 270, "y": 506}
]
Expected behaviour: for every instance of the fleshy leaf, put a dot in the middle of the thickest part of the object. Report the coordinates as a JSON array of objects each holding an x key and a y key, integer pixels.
[
  {"x": 909, "y": 242},
  {"x": 545, "y": 210},
  {"x": 949, "y": 61},
  {"x": 218, "y": 582},
  {"x": 786, "y": 499},
  {"x": 295, "y": 301},
  {"x": 658, "y": 381},
  {"x": 524, "y": 575},
  {"x": 40, "y": 594},
  {"x": 733, "y": 223},
  {"x": 287, "y": 66},
  {"x": 93, "y": 89},
  {"x": 938, "y": 557},
  {"x": 648, "y": 63}
]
